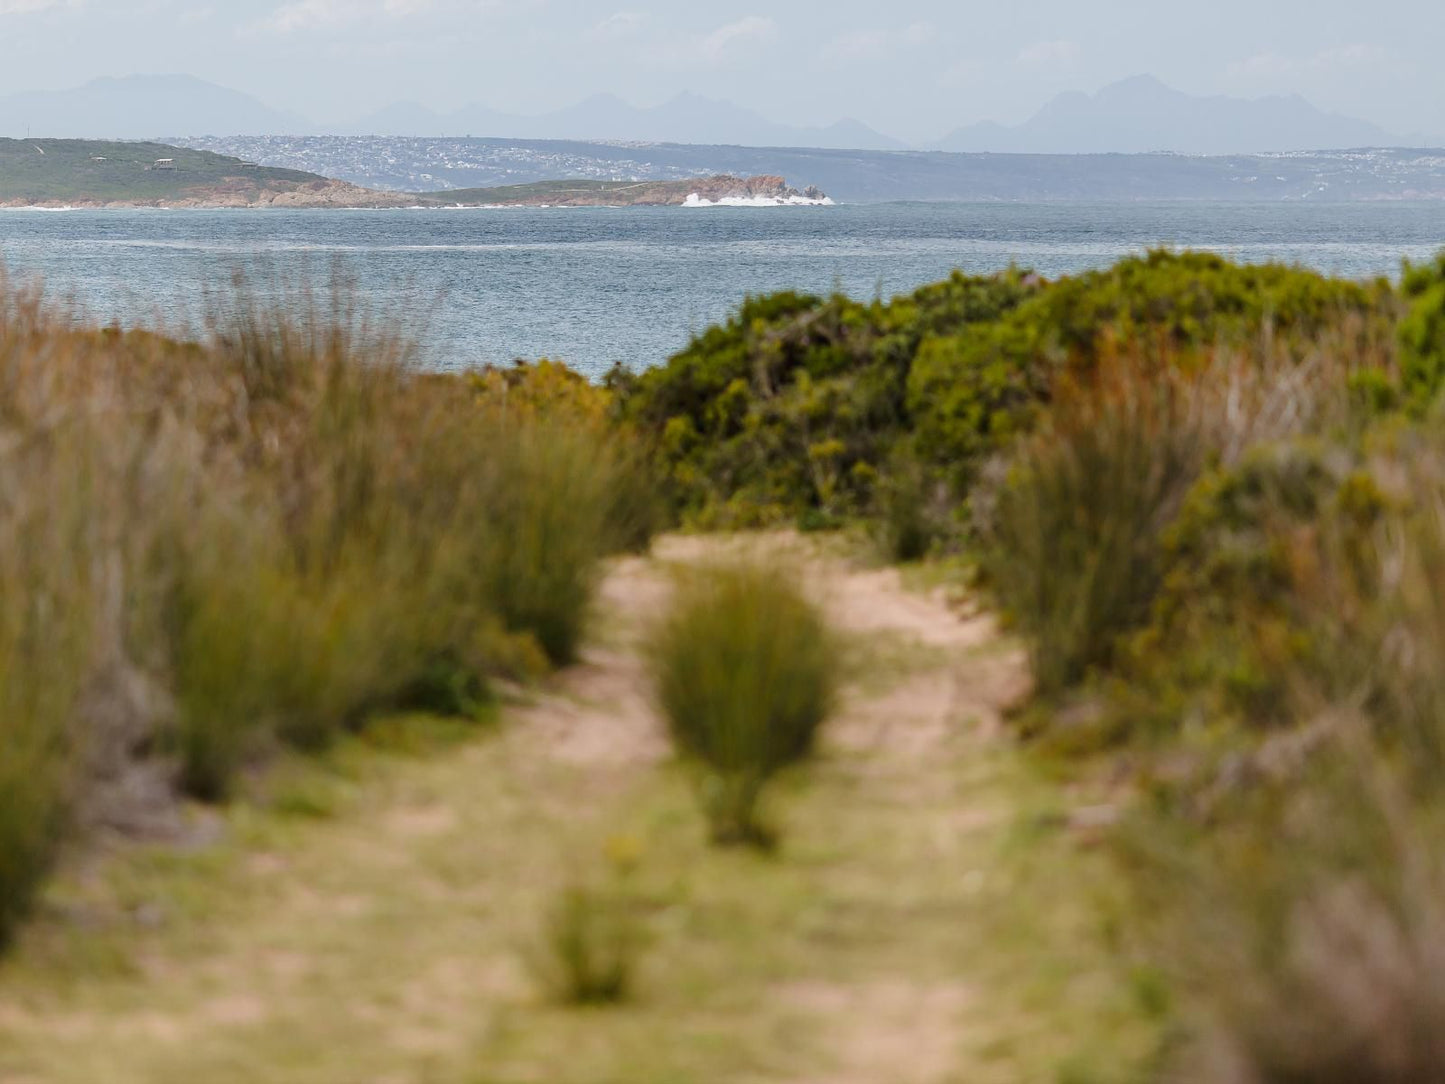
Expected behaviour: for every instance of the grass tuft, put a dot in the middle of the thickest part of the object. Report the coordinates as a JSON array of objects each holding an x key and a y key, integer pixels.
[{"x": 746, "y": 672}]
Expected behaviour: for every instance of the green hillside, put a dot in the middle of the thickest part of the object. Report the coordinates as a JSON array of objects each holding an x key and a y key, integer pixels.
[{"x": 74, "y": 170}]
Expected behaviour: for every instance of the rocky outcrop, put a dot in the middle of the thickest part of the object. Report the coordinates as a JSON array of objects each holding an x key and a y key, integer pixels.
[{"x": 698, "y": 191}]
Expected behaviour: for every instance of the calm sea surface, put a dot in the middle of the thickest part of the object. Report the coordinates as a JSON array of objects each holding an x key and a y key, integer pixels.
[{"x": 597, "y": 285}]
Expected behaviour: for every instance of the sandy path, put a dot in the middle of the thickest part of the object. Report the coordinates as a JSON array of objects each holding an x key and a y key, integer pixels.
[{"x": 380, "y": 947}]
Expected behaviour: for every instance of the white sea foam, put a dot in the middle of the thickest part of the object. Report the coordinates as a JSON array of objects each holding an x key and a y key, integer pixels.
[{"x": 695, "y": 200}]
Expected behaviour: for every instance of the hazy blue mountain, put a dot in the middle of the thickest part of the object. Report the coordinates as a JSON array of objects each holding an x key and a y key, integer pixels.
[
  {"x": 143, "y": 107},
  {"x": 149, "y": 106},
  {"x": 687, "y": 118},
  {"x": 1142, "y": 114}
]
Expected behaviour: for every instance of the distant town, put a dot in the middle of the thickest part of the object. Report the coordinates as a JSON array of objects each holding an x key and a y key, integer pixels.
[{"x": 411, "y": 164}]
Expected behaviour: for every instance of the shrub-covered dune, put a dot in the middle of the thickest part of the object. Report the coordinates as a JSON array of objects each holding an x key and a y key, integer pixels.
[{"x": 810, "y": 408}]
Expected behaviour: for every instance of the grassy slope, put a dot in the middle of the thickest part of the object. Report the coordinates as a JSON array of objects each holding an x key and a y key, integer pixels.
[
  {"x": 66, "y": 171},
  {"x": 367, "y": 921}
]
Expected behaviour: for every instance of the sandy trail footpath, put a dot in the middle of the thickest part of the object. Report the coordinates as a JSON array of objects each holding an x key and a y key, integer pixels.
[{"x": 385, "y": 942}]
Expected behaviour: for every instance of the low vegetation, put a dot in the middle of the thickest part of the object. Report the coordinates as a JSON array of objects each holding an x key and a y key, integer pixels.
[
  {"x": 814, "y": 410},
  {"x": 1206, "y": 496},
  {"x": 263, "y": 537},
  {"x": 84, "y": 170},
  {"x": 746, "y": 672},
  {"x": 1208, "y": 499}
]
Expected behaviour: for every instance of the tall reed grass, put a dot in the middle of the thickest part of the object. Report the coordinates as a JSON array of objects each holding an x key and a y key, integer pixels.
[
  {"x": 1073, "y": 530},
  {"x": 294, "y": 526}
]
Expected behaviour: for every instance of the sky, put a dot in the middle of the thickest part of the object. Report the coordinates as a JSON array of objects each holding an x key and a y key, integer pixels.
[{"x": 915, "y": 69}]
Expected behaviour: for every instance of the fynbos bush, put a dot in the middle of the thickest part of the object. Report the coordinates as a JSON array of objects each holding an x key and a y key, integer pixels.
[
  {"x": 296, "y": 530},
  {"x": 746, "y": 671},
  {"x": 1077, "y": 524},
  {"x": 1297, "y": 901}
]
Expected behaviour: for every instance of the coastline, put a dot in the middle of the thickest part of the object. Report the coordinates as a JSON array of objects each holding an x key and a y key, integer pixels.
[{"x": 238, "y": 194}]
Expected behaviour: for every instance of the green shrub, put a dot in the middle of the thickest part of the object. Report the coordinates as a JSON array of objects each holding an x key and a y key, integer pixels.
[
  {"x": 1422, "y": 332},
  {"x": 590, "y": 946},
  {"x": 911, "y": 510},
  {"x": 46, "y": 627},
  {"x": 792, "y": 410},
  {"x": 970, "y": 393},
  {"x": 793, "y": 406},
  {"x": 222, "y": 680},
  {"x": 746, "y": 672},
  {"x": 1295, "y": 899},
  {"x": 35, "y": 781},
  {"x": 1304, "y": 929},
  {"x": 546, "y": 507},
  {"x": 1074, "y": 552}
]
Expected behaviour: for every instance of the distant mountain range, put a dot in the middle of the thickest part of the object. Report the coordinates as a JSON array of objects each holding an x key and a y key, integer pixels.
[
  {"x": 147, "y": 106},
  {"x": 1136, "y": 115},
  {"x": 1142, "y": 114},
  {"x": 687, "y": 118},
  {"x": 142, "y": 107}
]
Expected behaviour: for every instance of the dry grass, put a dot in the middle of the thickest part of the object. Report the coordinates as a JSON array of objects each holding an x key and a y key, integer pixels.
[
  {"x": 261, "y": 537},
  {"x": 1075, "y": 521}
]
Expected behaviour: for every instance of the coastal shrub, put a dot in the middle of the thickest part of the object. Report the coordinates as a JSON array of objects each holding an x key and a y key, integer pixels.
[
  {"x": 1228, "y": 628},
  {"x": 549, "y": 393},
  {"x": 1081, "y": 533},
  {"x": 969, "y": 394},
  {"x": 1299, "y": 912},
  {"x": 1074, "y": 546},
  {"x": 745, "y": 672},
  {"x": 1178, "y": 301},
  {"x": 793, "y": 409},
  {"x": 1422, "y": 331},
  {"x": 1303, "y": 932},
  {"x": 914, "y": 511},
  {"x": 794, "y": 404}
]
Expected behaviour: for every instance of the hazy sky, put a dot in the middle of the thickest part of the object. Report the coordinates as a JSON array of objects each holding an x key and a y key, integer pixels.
[{"x": 914, "y": 68}]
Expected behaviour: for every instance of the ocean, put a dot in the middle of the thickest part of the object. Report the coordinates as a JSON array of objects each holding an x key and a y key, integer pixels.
[{"x": 594, "y": 286}]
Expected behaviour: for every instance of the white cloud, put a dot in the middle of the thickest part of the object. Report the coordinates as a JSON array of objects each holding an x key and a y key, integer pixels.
[
  {"x": 860, "y": 46},
  {"x": 299, "y": 16},
  {"x": 309, "y": 15},
  {"x": 964, "y": 73},
  {"x": 1047, "y": 54},
  {"x": 749, "y": 32},
  {"x": 726, "y": 46},
  {"x": 30, "y": 7},
  {"x": 622, "y": 24},
  {"x": 1277, "y": 66}
]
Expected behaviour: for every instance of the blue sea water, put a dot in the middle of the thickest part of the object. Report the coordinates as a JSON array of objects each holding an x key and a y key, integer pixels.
[{"x": 593, "y": 286}]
